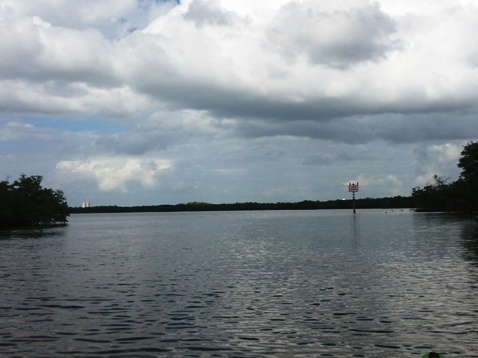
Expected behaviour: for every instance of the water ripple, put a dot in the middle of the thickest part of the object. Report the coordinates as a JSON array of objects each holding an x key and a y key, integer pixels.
[{"x": 242, "y": 285}]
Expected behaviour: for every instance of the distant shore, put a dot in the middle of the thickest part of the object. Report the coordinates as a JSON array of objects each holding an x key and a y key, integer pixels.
[{"x": 396, "y": 202}]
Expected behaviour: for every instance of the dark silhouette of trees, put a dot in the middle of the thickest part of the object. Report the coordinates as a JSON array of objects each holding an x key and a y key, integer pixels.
[
  {"x": 469, "y": 162},
  {"x": 366, "y": 203},
  {"x": 458, "y": 196},
  {"x": 26, "y": 203}
]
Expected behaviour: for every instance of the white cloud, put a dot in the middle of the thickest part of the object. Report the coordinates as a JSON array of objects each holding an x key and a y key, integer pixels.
[
  {"x": 36, "y": 50},
  {"x": 116, "y": 174}
]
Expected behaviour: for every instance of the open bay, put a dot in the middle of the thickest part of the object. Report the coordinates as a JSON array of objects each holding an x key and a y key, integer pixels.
[{"x": 242, "y": 284}]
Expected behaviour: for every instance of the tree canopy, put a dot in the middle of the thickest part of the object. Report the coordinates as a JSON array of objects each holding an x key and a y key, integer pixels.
[
  {"x": 469, "y": 161},
  {"x": 26, "y": 203},
  {"x": 458, "y": 196}
]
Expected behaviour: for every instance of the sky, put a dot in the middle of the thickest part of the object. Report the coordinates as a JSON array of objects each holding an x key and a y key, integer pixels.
[{"x": 143, "y": 102}]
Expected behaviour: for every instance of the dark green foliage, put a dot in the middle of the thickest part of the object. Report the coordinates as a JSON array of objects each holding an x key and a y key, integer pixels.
[
  {"x": 367, "y": 203},
  {"x": 26, "y": 203},
  {"x": 469, "y": 162},
  {"x": 458, "y": 196}
]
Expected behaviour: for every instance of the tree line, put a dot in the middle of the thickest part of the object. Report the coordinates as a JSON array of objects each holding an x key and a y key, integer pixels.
[
  {"x": 396, "y": 202},
  {"x": 26, "y": 203},
  {"x": 458, "y": 196}
]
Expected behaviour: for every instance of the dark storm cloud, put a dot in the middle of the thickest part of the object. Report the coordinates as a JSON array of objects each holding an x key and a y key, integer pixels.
[
  {"x": 139, "y": 140},
  {"x": 339, "y": 38},
  {"x": 354, "y": 119},
  {"x": 363, "y": 129}
]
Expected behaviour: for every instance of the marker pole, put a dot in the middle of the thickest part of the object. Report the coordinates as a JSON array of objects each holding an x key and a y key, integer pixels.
[{"x": 353, "y": 188}]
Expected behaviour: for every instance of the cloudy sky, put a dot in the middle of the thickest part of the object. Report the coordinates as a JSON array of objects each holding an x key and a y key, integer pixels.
[{"x": 139, "y": 102}]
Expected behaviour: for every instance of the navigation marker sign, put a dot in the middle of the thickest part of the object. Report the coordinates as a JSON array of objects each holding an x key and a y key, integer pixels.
[{"x": 353, "y": 188}]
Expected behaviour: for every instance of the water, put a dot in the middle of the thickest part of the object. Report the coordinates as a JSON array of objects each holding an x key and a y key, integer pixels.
[{"x": 242, "y": 284}]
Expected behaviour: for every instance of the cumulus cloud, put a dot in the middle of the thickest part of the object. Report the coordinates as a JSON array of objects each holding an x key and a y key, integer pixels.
[
  {"x": 116, "y": 174},
  {"x": 245, "y": 63},
  {"x": 35, "y": 50}
]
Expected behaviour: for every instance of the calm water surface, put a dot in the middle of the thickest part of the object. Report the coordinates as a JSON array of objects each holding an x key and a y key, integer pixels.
[{"x": 242, "y": 284}]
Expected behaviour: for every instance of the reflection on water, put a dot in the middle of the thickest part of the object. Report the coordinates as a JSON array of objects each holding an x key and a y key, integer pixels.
[
  {"x": 242, "y": 284},
  {"x": 35, "y": 233},
  {"x": 470, "y": 241}
]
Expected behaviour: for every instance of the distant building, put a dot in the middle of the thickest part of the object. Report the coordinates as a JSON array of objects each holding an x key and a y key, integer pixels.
[{"x": 85, "y": 204}]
